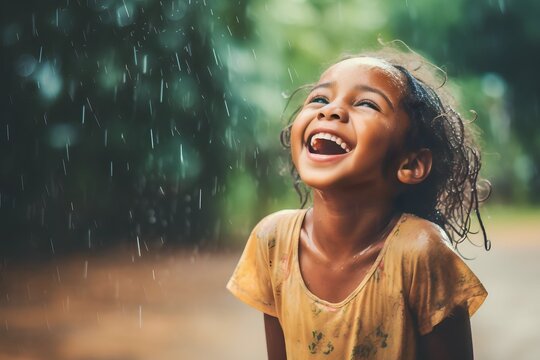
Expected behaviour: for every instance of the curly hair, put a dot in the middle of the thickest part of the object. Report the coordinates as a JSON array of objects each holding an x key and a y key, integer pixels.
[{"x": 453, "y": 189}]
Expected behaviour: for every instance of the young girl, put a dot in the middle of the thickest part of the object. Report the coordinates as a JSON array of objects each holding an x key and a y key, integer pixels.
[{"x": 369, "y": 270}]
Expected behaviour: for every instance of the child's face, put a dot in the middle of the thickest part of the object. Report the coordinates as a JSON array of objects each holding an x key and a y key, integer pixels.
[{"x": 351, "y": 126}]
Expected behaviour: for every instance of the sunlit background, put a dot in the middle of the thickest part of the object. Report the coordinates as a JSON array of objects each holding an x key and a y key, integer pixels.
[{"x": 139, "y": 144}]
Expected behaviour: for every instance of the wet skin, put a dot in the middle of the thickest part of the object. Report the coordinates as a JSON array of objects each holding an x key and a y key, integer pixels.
[{"x": 358, "y": 101}]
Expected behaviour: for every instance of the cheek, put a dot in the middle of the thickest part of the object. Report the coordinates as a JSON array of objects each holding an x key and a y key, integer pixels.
[{"x": 297, "y": 138}]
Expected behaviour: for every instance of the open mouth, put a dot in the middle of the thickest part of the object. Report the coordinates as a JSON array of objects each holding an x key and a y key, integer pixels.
[{"x": 327, "y": 144}]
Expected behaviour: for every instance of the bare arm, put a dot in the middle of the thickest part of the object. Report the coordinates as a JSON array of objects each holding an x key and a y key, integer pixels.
[
  {"x": 449, "y": 340},
  {"x": 275, "y": 342}
]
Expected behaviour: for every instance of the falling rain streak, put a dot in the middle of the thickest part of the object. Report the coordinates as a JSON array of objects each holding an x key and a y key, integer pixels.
[
  {"x": 227, "y": 108},
  {"x": 135, "y": 55},
  {"x": 85, "y": 270},
  {"x": 181, "y": 154},
  {"x": 178, "y": 62}
]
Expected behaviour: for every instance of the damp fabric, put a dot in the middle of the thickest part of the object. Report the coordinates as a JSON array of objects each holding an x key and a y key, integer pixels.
[{"x": 414, "y": 283}]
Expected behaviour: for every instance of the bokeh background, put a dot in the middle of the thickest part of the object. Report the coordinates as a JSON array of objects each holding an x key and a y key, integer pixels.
[{"x": 139, "y": 143}]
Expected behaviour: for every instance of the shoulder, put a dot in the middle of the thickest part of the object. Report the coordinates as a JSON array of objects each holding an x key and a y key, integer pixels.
[
  {"x": 276, "y": 223},
  {"x": 420, "y": 238}
]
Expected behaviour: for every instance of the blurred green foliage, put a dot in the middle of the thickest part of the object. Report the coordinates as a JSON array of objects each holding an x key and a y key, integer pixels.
[{"x": 160, "y": 120}]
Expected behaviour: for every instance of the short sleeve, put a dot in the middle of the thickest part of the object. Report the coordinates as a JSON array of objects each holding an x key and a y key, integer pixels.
[
  {"x": 440, "y": 281},
  {"x": 251, "y": 280}
]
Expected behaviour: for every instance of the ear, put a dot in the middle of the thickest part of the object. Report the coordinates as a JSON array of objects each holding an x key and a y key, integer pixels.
[{"x": 414, "y": 168}]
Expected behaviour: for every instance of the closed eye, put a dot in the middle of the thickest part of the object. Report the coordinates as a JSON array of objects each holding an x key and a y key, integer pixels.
[{"x": 368, "y": 103}]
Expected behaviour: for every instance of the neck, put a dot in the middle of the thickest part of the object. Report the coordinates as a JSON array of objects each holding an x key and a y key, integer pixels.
[{"x": 345, "y": 223}]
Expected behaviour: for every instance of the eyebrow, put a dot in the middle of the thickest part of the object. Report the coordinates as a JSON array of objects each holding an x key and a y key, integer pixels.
[
  {"x": 322, "y": 85},
  {"x": 359, "y": 87}
]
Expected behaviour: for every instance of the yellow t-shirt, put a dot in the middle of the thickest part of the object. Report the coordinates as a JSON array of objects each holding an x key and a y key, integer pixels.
[{"x": 414, "y": 283}]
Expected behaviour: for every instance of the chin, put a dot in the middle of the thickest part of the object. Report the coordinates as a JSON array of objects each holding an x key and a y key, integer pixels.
[{"x": 321, "y": 182}]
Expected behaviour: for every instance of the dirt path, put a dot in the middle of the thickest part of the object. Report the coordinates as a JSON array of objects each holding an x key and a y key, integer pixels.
[{"x": 120, "y": 306}]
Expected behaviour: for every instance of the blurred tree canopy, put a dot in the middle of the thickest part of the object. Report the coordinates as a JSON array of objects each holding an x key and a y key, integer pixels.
[{"x": 146, "y": 121}]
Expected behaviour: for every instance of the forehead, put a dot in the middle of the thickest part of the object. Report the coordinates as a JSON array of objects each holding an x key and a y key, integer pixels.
[{"x": 365, "y": 70}]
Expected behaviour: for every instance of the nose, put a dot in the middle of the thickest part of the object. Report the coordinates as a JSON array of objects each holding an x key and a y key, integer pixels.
[{"x": 333, "y": 112}]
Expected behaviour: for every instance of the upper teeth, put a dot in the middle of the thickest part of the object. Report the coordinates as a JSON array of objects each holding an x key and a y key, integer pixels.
[{"x": 334, "y": 138}]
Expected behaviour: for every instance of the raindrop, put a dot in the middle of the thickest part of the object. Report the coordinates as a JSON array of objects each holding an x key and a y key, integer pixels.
[
  {"x": 227, "y": 108},
  {"x": 290, "y": 74},
  {"x": 125, "y": 7},
  {"x": 34, "y": 29},
  {"x": 178, "y": 61},
  {"x": 135, "y": 55},
  {"x": 161, "y": 92},
  {"x": 181, "y": 154},
  {"x": 106, "y": 137},
  {"x": 85, "y": 270},
  {"x": 67, "y": 150},
  {"x": 145, "y": 63},
  {"x": 111, "y": 169},
  {"x": 214, "y": 189},
  {"x": 152, "y": 138},
  {"x": 89, "y": 105},
  {"x": 138, "y": 247},
  {"x": 83, "y": 114},
  {"x": 215, "y": 56}
]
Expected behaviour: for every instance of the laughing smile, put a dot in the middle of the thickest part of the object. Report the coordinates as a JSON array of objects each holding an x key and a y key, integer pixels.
[{"x": 324, "y": 143}]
